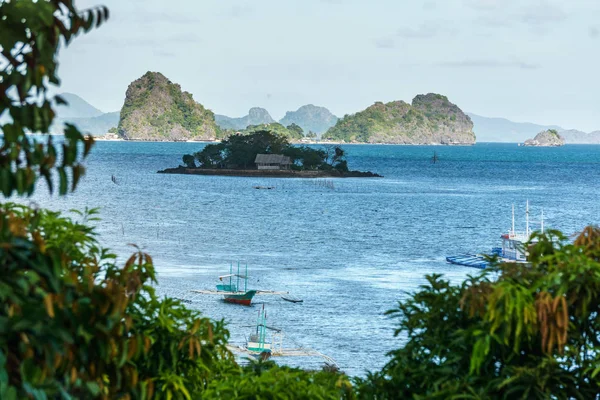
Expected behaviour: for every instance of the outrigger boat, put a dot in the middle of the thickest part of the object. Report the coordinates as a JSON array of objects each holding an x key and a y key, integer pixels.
[
  {"x": 513, "y": 246},
  {"x": 257, "y": 344},
  {"x": 231, "y": 291}
]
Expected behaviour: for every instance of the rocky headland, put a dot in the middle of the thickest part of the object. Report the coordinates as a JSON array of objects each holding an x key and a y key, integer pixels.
[
  {"x": 156, "y": 109},
  {"x": 548, "y": 138},
  {"x": 430, "y": 119}
]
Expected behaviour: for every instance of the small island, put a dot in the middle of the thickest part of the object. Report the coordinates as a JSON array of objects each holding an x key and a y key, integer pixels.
[
  {"x": 266, "y": 154},
  {"x": 549, "y": 138}
]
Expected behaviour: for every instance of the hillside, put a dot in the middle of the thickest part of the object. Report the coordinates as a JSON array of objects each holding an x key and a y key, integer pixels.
[
  {"x": 256, "y": 116},
  {"x": 573, "y": 136},
  {"x": 94, "y": 125},
  {"x": 430, "y": 119},
  {"x": 76, "y": 108},
  {"x": 156, "y": 109},
  {"x": 310, "y": 118},
  {"x": 274, "y": 127},
  {"x": 503, "y": 130}
]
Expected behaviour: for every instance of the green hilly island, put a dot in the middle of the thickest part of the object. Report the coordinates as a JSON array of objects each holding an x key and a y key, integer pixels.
[
  {"x": 430, "y": 119},
  {"x": 156, "y": 109}
]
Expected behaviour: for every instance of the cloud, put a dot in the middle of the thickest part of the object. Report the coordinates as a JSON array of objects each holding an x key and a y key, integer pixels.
[
  {"x": 426, "y": 30},
  {"x": 239, "y": 10},
  {"x": 542, "y": 13},
  {"x": 484, "y": 4},
  {"x": 385, "y": 43},
  {"x": 538, "y": 15},
  {"x": 594, "y": 32},
  {"x": 151, "y": 18},
  {"x": 488, "y": 64}
]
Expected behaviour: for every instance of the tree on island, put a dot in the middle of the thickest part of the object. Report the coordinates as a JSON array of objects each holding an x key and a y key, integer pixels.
[
  {"x": 239, "y": 152},
  {"x": 311, "y": 135},
  {"x": 299, "y": 132},
  {"x": 189, "y": 161}
]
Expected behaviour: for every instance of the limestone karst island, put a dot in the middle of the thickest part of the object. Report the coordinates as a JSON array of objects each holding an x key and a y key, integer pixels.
[{"x": 156, "y": 109}]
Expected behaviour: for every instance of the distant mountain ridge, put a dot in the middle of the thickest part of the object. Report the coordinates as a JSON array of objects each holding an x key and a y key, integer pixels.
[
  {"x": 310, "y": 118},
  {"x": 503, "y": 130},
  {"x": 256, "y": 116},
  {"x": 90, "y": 119},
  {"x": 76, "y": 108}
]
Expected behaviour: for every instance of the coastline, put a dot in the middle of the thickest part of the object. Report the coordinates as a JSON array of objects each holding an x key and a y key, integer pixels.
[
  {"x": 258, "y": 173},
  {"x": 101, "y": 138}
]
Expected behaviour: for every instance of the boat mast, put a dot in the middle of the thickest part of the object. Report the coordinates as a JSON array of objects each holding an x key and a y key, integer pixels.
[
  {"x": 512, "y": 232},
  {"x": 230, "y": 272},
  {"x": 246, "y": 279},
  {"x": 527, "y": 219},
  {"x": 237, "y": 287}
]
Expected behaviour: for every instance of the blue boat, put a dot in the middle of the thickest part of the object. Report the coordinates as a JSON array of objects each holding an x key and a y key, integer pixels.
[{"x": 513, "y": 247}]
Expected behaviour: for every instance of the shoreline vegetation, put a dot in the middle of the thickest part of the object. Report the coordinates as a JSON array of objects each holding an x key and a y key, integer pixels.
[
  {"x": 265, "y": 173},
  {"x": 266, "y": 154}
]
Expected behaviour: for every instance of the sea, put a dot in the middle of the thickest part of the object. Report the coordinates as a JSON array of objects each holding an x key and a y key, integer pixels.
[{"x": 351, "y": 249}]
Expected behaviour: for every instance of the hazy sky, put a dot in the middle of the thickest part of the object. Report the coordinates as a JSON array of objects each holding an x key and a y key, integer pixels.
[{"x": 526, "y": 60}]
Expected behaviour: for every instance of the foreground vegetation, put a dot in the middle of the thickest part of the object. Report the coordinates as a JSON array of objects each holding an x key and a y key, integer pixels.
[{"x": 74, "y": 323}]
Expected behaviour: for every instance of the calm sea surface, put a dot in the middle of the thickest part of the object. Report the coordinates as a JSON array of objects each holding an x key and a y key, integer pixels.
[{"x": 351, "y": 251}]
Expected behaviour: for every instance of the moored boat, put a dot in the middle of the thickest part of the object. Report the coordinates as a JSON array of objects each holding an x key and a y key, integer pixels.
[
  {"x": 513, "y": 249},
  {"x": 231, "y": 292}
]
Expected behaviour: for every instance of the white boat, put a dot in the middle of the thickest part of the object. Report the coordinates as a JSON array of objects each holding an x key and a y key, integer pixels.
[{"x": 513, "y": 246}]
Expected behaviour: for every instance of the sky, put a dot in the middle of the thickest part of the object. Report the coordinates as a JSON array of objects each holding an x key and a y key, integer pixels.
[{"x": 525, "y": 60}]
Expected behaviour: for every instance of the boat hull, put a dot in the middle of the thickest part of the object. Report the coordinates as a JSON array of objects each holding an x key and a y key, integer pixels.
[{"x": 242, "y": 298}]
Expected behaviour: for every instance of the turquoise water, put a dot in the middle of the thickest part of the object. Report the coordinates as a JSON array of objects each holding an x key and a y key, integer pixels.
[{"x": 350, "y": 252}]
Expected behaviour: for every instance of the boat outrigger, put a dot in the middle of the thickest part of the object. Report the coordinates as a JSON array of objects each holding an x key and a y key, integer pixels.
[
  {"x": 257, "y": 345},
  {"x": 232, "y": 292},
  {"x": 512, "y": 250}
]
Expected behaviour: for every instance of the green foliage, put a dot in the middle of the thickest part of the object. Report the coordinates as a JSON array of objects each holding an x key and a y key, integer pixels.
[
  {"x": 265, "y": 380},
  {"x": 276, "y": 129},
  {"x": 113, "y": 130},
  {"x": 298, "y": 132},
  {"x": 32, "y": 32},
  {"x": 311, "y": 135},
  {"x": 512, "y": 332},
  {"x": 239, "y": 151},
  {"x": 149, "y": 96},
  {"x": 189, "y": 161},
  {"x": 73, "y": 321},
  {"x": 398, "y": 121}
]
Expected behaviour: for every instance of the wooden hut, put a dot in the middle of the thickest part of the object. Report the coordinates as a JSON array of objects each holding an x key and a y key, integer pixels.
[{"x": 272, "y": 161}]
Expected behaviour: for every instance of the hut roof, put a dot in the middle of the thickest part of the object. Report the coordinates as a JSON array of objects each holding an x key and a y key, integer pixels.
[{"x": 272, "y": 159}]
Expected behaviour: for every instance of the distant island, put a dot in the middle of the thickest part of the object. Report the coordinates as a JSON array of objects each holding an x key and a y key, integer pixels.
[
  {"x": 266, "y": 154},
  {"x": 548, "y": 138},
  {"x": 157, "y": 109},
  {"x": 430, "y": 119}
]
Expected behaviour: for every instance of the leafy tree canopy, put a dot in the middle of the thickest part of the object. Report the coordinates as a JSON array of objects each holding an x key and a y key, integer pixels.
[
  {"x": 32, "y": 32},
  {"x": 239, "y": 151},
  {"x": 511, "y": 332}
]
